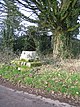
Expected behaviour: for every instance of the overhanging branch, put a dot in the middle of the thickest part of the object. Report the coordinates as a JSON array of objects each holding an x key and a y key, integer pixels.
[{"x": 73, "y": 28}]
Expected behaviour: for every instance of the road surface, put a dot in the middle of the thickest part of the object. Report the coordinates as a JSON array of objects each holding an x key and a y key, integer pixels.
[{"x": 13, "y": 98}]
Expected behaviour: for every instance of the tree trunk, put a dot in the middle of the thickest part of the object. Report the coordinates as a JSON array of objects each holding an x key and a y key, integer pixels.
[{"x": 59, "y": 44}]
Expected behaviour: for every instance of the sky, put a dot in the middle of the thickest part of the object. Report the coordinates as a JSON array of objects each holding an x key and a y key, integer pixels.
[{"x": 28, "y": 13}]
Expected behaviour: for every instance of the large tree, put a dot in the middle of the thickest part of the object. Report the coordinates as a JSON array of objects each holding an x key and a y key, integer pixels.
[
  {"x": 11, "y": 21},
  {"x": 60, "y": 16}
]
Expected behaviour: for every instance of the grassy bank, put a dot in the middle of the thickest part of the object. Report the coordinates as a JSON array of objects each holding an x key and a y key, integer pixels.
[{"x": 60, "y": 81}]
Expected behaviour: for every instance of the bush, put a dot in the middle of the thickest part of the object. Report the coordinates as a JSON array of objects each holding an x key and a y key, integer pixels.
[{"x": 6, "y": 56}]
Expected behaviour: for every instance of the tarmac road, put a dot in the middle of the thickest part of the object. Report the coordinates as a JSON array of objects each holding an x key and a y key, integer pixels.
[{"x": 13, "y": 98}]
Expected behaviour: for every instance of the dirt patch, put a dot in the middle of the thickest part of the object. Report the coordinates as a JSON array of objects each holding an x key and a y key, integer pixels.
[{"x": 43, "y": 93}]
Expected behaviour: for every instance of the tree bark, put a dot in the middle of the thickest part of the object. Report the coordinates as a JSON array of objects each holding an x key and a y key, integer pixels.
[{"x": 59, "y": 44}]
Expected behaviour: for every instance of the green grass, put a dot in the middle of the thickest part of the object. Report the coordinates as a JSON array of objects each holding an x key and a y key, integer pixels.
[{"x": 51, "y": 81}]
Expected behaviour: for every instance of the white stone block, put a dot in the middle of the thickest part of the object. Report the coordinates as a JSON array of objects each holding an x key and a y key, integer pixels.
[{"x": 28, "y": 55}]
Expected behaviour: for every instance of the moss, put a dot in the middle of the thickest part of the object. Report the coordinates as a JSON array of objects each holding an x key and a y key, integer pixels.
[
  {"x": 24, "y": 60},
  {"x": 34, "y": 64}
]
